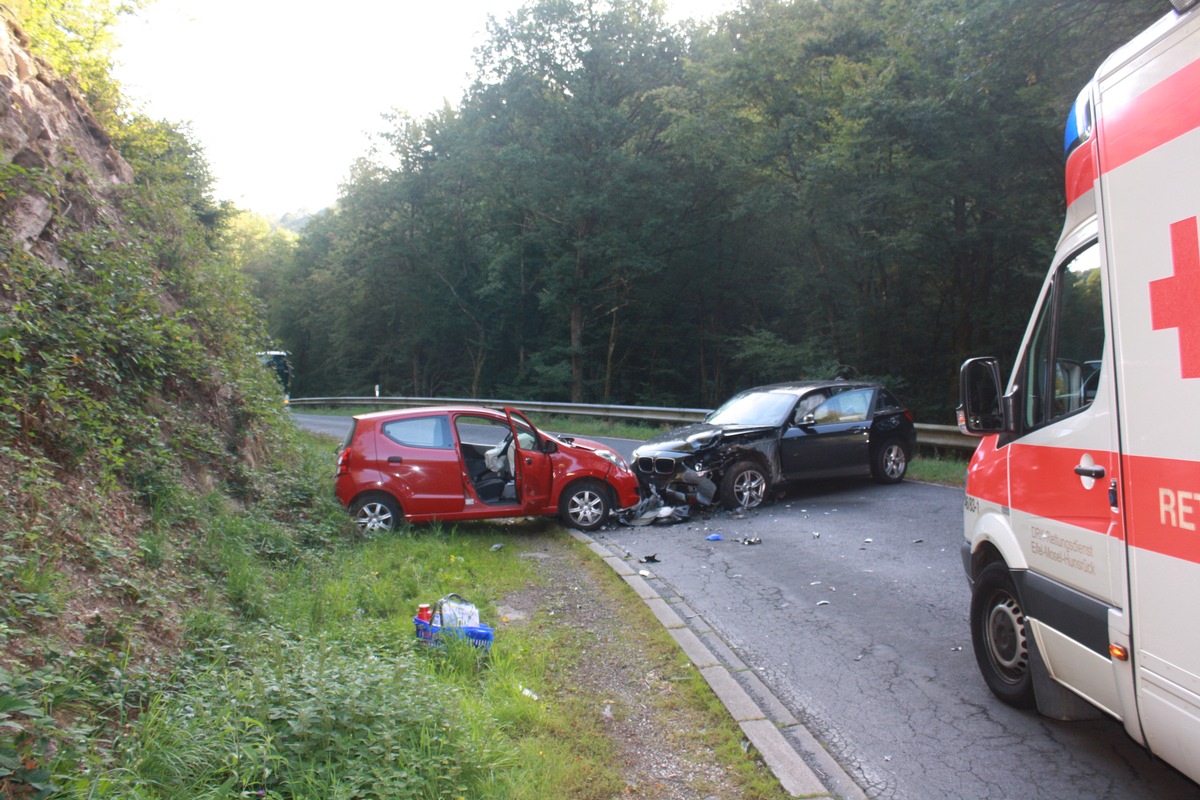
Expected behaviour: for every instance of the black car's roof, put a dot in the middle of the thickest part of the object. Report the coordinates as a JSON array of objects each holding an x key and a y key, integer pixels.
[{"x": 804, "y": 387}]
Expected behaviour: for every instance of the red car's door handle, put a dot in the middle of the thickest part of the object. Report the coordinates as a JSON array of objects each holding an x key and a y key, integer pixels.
[{"x": 395, "y": 460}]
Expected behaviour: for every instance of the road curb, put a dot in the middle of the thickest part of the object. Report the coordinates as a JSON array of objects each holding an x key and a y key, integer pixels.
[{"x": 793, "y": 755}]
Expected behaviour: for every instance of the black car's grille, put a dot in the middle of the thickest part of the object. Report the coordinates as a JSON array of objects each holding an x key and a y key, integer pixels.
[{"x": 656, "y": 466}]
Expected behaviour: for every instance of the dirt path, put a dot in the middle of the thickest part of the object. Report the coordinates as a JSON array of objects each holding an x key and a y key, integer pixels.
[{"x": 632, "y": 681}]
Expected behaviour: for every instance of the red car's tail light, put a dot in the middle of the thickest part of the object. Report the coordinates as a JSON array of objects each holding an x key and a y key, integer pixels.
[{"x": 343, "y": 462}]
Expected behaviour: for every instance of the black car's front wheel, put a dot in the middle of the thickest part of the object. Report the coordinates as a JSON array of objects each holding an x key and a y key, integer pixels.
[
  {"x": 889, "y": 463},
  {"x": 585, "y": 505},
  {"x": 745, "y": 485}
]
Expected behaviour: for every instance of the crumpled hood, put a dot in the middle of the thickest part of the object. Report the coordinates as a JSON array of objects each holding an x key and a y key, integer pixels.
[
  {"x": 695, "y": 438},
  {"x": 578, "y": 442}
]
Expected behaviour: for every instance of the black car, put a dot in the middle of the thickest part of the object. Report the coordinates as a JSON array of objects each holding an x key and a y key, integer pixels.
[{"x": 763, "y": 437}]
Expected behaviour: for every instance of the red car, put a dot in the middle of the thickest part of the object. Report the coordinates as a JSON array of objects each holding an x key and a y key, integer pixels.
[{"x": 464, "y": 462}]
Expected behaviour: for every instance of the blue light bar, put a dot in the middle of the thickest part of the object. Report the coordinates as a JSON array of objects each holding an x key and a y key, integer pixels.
[{"x": 1079, "y": 122}]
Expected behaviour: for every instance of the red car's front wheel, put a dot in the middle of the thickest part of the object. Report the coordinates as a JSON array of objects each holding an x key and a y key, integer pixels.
[{"x": 585, "y": 505}]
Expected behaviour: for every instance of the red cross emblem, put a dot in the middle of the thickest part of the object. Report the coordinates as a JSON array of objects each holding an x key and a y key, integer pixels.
[{"x": 1175, "y": 301}]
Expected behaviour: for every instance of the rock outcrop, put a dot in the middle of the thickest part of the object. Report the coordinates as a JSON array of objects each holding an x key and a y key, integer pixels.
[{"x": 56, "y": 161}]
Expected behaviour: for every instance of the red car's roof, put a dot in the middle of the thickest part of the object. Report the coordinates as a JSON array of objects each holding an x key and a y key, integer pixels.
[{"x": 420, "y": 411}]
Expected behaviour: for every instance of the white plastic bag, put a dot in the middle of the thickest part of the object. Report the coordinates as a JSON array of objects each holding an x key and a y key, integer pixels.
[{"x": 452, "y": 611}]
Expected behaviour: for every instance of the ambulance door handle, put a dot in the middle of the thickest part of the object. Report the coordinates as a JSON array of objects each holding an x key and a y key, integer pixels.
[{"x": 1089, "y": 472}]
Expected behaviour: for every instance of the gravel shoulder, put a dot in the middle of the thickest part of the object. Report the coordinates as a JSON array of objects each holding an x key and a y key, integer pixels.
[{"x": 631, "y": 675}]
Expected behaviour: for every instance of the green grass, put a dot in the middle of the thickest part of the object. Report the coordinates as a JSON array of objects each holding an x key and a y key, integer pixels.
[
  {"x": 946, "y": 470},
  {"x": 302, "y": 677}
]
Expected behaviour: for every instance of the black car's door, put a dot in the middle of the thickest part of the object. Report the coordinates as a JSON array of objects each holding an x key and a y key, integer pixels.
[{"x": 832, "y": 440}]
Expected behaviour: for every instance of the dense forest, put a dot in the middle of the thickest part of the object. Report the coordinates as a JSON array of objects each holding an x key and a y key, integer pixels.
[{"x": 624, "y": 211}]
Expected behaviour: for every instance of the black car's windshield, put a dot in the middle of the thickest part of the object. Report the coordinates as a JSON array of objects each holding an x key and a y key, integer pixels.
[{"x": 754, "y": 408}]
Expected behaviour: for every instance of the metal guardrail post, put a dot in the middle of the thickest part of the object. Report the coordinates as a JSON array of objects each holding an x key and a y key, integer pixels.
[{"x": 947, "y": 436}]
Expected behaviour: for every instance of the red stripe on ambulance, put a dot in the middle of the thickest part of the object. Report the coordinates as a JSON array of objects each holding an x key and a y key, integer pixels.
[
  {"x": 1138, "y": 125},
  {"x": 1049, "y": 487},
  {"x": 1164, "y": 498},
  {"x": 1081, "y": 171}
]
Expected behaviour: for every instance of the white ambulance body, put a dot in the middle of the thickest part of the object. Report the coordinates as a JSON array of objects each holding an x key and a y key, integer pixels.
[{"x": 1082, "y": 510}]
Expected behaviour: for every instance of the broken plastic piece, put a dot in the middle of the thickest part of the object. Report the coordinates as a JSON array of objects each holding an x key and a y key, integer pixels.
[
  {"x": 715, "y": 537},
  {"x": 653, "y": 511},
  {"x": 750, "y": 540},
  {"x": 650, "y": 559}
]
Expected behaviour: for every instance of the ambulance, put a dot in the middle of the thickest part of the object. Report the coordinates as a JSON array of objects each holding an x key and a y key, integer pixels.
[{"x": 1082, "y": 503}]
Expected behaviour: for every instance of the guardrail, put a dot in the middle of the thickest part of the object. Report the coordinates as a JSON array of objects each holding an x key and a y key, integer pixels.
[{"x": 935, "y": 436}]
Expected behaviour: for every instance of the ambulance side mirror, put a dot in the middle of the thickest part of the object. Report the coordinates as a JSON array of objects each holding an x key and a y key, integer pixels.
[{"x": 982, "y": 409}]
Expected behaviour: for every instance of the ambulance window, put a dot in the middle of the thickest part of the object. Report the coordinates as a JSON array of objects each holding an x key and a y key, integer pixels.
[{"x": 1062, "y": 369}]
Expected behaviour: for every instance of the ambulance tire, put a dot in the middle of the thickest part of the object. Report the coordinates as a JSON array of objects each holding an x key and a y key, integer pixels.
[{"x": 1000, "y": 635}]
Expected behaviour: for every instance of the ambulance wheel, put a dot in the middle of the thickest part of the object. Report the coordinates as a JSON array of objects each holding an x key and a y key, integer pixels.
[
  {"x": 1000, "y": 635},
  {"x": 585, "y": 505},
  {"x": 744, "y": 486}
]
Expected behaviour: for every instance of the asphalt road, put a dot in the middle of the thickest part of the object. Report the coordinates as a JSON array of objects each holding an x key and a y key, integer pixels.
[{"x": 853, "y": 610}]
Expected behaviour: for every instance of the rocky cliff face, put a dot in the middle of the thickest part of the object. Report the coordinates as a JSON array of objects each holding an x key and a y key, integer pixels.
[{"x": 47, "y": 129}]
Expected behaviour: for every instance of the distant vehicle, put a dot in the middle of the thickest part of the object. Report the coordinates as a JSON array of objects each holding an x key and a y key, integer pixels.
[
  {"x": 770, "y": 435},
  {"x": 277, "y": 360},
  {"x": 1082, "y": 500},
  {"x": 469, "y": 462}
]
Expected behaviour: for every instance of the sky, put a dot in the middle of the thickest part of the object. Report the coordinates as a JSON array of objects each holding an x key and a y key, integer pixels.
[{"x": 284, "y": 95}]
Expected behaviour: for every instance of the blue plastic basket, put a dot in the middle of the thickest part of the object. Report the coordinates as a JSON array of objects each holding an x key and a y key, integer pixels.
[{"x": 433, "y": 635}]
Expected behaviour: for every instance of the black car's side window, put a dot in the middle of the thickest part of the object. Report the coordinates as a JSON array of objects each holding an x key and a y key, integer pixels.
[
  {"x": 849, "y": 406},
  {"x": 419, "y": 432},
  {"x": 887, "y": 402},
  {"x": 808, "y": 404}
]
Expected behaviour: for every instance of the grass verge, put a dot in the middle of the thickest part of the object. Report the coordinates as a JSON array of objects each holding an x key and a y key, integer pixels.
[{"x": 300, "y": 675}]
